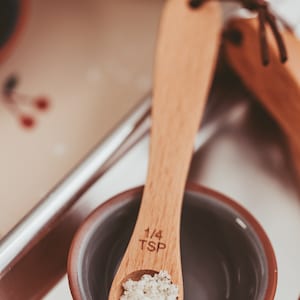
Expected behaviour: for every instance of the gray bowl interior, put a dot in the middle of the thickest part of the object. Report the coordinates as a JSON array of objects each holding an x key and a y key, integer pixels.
[{"x": 221, "y": 254}]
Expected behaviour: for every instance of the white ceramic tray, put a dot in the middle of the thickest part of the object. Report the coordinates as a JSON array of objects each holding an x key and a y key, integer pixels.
[{"x": 244, "y": 157}]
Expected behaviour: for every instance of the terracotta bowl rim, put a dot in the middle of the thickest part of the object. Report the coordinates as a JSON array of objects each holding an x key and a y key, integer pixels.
[
  {"x": 9, "y": 45},
  {"x": 87, "y": 224}
]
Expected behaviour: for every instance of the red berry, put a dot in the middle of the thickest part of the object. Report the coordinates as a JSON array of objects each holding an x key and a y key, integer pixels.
[
  {"x": 27, "y": 121},
  {"x": 41, "y": 103}
]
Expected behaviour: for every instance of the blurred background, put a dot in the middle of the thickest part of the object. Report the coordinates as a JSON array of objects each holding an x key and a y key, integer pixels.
[
  {"x": 70, "y": 70},
  {"x": 91, "y": 61}
]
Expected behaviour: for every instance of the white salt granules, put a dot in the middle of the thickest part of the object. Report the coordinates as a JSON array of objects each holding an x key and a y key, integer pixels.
[{"x": 157, "y": 287}]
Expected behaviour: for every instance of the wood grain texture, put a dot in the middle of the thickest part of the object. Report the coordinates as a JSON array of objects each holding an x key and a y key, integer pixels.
[
  {"x": 185, "y": 60},
  {"x": 277, "y": 86}
]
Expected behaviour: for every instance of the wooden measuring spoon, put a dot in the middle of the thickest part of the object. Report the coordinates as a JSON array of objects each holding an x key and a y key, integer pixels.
[
  {"x": 185, "y": 60},
  {"x": 277, "y": 86}
]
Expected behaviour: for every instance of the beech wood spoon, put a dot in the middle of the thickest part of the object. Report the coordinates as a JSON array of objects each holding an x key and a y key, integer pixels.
[{"x": 185, "y": 60}]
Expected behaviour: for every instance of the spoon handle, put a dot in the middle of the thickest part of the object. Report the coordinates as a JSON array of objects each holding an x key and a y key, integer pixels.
[{"x": 184, "y": 65}]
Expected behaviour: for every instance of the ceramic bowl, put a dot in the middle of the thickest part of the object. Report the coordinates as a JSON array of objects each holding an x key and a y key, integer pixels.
[
  {"x": 13, "y": 15},
  {"x": 225, "y": 252}
]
